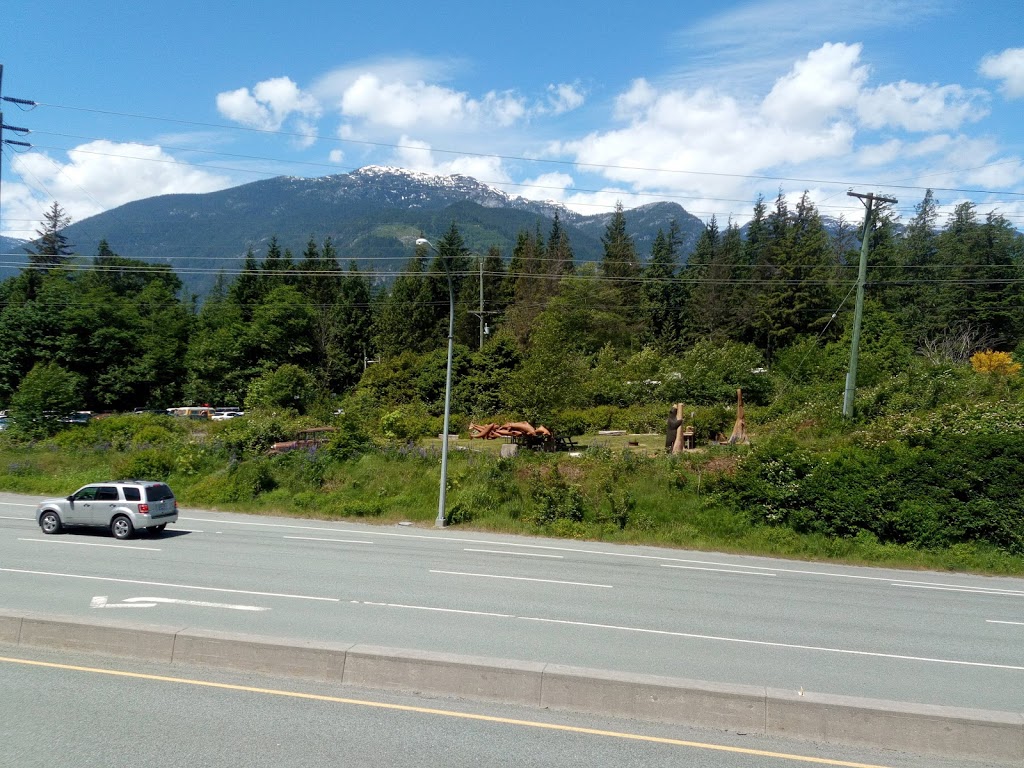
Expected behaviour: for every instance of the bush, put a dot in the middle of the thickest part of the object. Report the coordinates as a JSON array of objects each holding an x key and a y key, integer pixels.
[
  {"x": 149, "y": 464},
  {"x": 556, "y": 500}
]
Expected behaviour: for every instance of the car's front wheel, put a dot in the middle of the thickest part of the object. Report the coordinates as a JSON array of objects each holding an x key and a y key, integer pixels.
[
  {"x": 122, "y": 527},
  {"x": 50, "y": 522}
]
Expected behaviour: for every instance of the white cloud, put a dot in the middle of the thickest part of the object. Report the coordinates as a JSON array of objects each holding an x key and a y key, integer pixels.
[
  {"x": 418, "y": 156},
  {"x": 405, "y": 105},
  {"x": 269, "y": 104},
  {"x": 823, "y": 119},
  {"x": 818, "y": 88},
  {"x": 101, "y": 175},
  {"x": 336, "y": 156},
  {"x": 678, "y": 140},
  {"x": 917, "y": 107},
  {"x": 564, "y": 97},
  {"x": 1007, "y": 66}
]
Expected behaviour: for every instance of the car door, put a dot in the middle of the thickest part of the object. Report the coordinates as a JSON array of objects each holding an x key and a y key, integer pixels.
[
  {"x": 103, "y": 506},
  {"x": 79, "y": 509}
]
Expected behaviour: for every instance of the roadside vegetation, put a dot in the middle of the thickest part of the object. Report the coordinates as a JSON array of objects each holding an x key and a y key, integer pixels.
[{"x": 926, "y": 474}]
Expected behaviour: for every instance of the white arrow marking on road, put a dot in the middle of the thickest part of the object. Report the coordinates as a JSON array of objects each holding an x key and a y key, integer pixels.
[
  {"x": 152, "y": 602},
  {"x": 100, "y": 601}
]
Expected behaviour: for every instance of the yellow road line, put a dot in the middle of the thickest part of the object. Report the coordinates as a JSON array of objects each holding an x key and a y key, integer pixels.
[{"x": 445, "y": 713}]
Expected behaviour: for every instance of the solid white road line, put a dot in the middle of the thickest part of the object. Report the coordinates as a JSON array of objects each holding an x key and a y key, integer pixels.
[
  {"x": 997, "y": 621},
  {"x": 711, "y": 638},
  {"x": 948, "y": 588},
  {"x": 440, "y": 537},
  {"x": 317, "y": 538},
  {"x": 524, "y": 578},
  {"x": 719, "y": 570},
  {"x": 506, "y": 552},
  {"x": 174, "y": 586},
  {"x": 93, "y": 544},
  {"x": 436, "y": 610}
]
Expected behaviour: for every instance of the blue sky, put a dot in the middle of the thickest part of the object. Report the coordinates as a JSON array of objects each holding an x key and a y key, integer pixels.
[{"x": 708, "y": 105}]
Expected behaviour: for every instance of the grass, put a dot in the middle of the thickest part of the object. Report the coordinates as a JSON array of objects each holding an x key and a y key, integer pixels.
[{"x": 620, "y": 489}]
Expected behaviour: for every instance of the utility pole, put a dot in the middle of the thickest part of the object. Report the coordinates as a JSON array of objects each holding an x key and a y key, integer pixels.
[
  {"x": 14, "y": 128},
  {"x": 851, "y": 376},
  {"x": 480, "y": 312}
]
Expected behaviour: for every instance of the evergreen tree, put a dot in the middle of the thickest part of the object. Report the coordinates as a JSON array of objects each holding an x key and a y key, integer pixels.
[
  {"x": 404, "y": 319},
  {"x": 529, "y": 279},
  {"x": 247, "y": 291},
  {"x": 559, "y": 251},
  {"x": 343, "y": 361},
  {"x": 51, "y": 248},
  {"x": 703, "y": 291},
  {"x": 797, "y": 298},
  {"x": 619, "y": 262},
  {"x": 275, "y": 270},
  {"x": 663, "y": 292},
  {"x": 979, "y": 285}
]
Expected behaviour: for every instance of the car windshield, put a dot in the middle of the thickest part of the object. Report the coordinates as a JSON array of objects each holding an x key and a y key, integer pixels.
[{"x": 159, "y": 492}]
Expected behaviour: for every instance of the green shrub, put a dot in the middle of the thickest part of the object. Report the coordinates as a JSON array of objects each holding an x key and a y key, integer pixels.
[
  {"x": 148, "y": 464},
  {"x": 554, "y": 499}
]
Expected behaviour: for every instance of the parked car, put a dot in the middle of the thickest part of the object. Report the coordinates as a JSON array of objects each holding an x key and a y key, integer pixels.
[
  {"x": 122, "y": 506},
  {"x": 225, "y": 415}
]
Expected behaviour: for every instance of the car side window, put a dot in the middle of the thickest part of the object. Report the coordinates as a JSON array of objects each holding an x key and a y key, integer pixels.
[
  {"x": 106, "y": 493},
  {"x": 86, "y": 494},
  {"x": 132, "y": 494}
]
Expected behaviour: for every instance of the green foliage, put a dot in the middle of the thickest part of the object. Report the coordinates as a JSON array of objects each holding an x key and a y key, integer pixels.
[
  {"x": 251, "y": 478},
  {"x": 711, "y": 372},
  {"x": 557, "y": 501},
  {"x": 926, "y": 492},
  {"x": 253, "y": 434},
  {"x": 47, "y": 394},
  {"x": 147, "y": 464},
  {"x": 410, "y": 422},
  {"x": 287, "y": 386}
]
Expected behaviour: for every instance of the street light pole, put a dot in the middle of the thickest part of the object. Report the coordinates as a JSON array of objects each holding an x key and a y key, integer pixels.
[{"x": 439, "y": 522}]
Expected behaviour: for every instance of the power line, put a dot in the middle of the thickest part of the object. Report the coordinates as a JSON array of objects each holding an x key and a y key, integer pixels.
[{"x": 518, "y": 158}]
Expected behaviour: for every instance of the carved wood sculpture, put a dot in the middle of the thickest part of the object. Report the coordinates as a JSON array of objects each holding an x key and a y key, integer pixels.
[
  {"x": 739, "y": 430},
  {"x": 677, "y": 447}
]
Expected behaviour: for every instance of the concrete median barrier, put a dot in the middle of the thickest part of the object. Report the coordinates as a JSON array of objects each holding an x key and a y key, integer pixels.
[
  {"x": 650, "y": 697},
  {"x": 920, "y": 728},
  {"x": 276, "y": 656},
  {"x": 514, "y": 682},
  {"x": 923, "y": 729},
  {"x": 10, "y": 628},
  {"x": 152, "y": 642}
]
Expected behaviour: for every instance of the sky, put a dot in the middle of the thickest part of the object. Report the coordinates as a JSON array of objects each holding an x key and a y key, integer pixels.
[{"x": 709, "y": 105}]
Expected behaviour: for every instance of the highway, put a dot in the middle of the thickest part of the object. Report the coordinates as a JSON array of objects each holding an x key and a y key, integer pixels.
[
  {"x": 73, "y": 710},
  {"x": 932, "y": 638}
]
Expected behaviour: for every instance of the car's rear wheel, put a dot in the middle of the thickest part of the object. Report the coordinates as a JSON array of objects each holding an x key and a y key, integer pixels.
[
  {"x": 50, "y": 522},
  {"x": 121, "y": 527}
]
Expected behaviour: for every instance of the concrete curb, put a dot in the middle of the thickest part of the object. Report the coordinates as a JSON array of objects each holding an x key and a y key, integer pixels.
[{"x": 918, "y": 728}]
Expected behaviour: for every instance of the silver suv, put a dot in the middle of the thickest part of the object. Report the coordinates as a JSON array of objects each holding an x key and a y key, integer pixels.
[{"x": 123, "y": 506}]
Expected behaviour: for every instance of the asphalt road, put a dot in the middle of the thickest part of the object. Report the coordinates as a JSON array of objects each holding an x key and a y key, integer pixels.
[
  {"x": 63, "y": 710},
  {"x": 946, "y": 639}
]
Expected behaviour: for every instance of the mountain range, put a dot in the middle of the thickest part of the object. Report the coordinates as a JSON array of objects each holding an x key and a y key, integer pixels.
[{"x": 372, "y": 215}]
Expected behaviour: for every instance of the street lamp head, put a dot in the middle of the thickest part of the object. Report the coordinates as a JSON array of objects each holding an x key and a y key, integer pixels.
[{"x": 423, "y": 241}]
